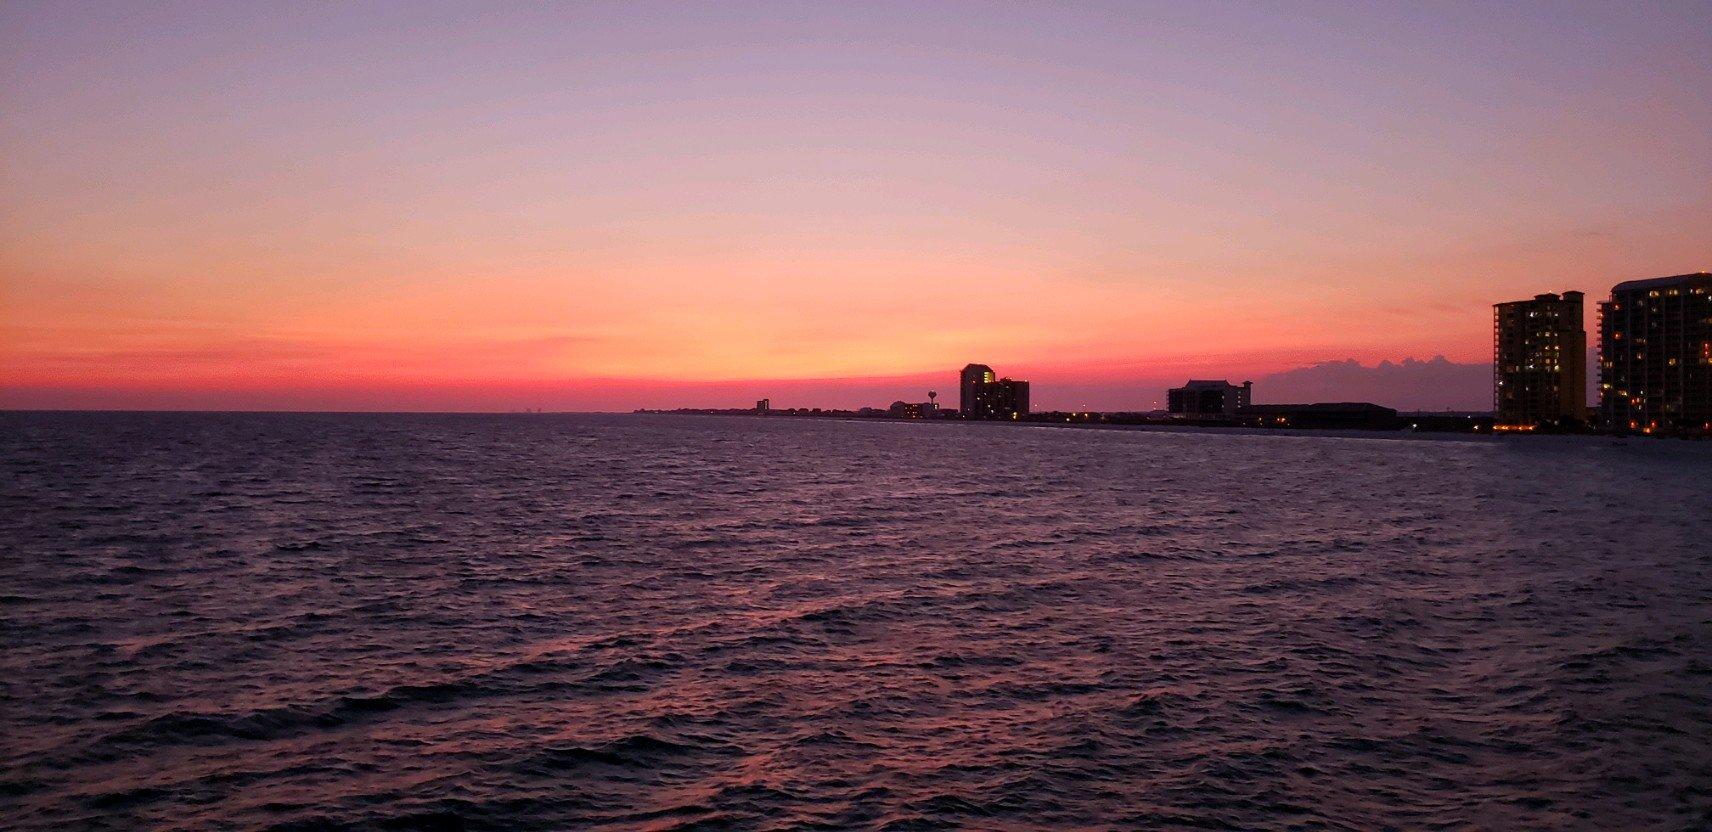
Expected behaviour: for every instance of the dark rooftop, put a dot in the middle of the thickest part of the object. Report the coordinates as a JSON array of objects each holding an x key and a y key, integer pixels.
[
  {"x": 1548, "y": 297},
  {"x": 1659, "y": 282},
  {"x": 1317, "y": 407}
]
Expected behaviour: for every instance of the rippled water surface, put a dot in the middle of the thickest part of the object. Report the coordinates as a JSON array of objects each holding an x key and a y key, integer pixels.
[{"x": 653, "y": 622}]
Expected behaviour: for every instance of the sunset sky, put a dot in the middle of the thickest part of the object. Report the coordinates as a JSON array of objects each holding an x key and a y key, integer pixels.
[{"x": 607, "y": 206}]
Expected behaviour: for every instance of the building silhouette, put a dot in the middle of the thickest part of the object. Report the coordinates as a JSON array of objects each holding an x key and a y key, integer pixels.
[
  {"x": 1202, "y": 397},
  {"x": 981, "y": 395},
  {"x": 1006, "y": 399},
  {"x": 969, "y": 383},
  {"x": 1655, "y": 356},
  {"x": 1539, "y": 363},
  {"x": 916, "y": 410},
  {"x": 1346, "y": 415}
]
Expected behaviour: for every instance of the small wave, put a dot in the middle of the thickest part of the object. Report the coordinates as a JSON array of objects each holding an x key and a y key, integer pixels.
[
  {"x": 273, "y": 723},
  {"x": 1037, "y": 691},
  {"x": 636, "y": 752},
  {"x": 126, "y": 799},
  {"x": 956, "y": 660}
]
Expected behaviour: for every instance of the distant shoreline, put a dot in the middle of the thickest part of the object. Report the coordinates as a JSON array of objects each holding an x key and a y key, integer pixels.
[
  {"x": 1153, "y": 426},
  {"x": 1159, "y": 426}
]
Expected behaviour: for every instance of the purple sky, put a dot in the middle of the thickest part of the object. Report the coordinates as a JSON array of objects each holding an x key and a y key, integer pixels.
[{"x": 612, "y": 205}]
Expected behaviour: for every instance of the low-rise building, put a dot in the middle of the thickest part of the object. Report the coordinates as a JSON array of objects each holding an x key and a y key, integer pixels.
[
  {"x": 1351, "y": 415},
  {"x": 914, "y": 410},
  {"x": 1202, "y": 397}
]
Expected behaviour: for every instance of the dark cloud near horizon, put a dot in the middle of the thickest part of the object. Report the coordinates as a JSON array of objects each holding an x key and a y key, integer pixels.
[{"x": 1435, "y": 384}]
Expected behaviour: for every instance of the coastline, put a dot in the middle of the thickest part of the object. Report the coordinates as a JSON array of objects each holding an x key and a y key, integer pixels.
[{"x": 1385, "y": 434}]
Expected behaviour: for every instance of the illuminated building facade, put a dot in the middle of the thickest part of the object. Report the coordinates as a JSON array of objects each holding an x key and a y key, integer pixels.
[
  {"x": 1539, "y": 363},
  {"x": 914, "y": 410},
  {"x": 969, "y": 384},
  {"x": 1655, "y": 356},
  {"x": 982, "y": 395},
  {"x": 1201, "y": 397},
  {"x": 1004, "y": 399}
]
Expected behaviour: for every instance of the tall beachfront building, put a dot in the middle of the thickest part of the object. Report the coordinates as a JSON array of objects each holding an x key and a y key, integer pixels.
[
  {"x": 1655, "y": 356},
  {"x": 1539, "y": 363},
  {"x": 982, "y": 395}
]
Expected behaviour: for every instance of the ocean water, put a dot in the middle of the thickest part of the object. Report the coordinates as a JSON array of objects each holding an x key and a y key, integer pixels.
[{"x": 330, "y": 622}]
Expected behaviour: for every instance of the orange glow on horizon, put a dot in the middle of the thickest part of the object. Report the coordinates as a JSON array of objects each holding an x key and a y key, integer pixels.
[{"x": 609, "y": 201}]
